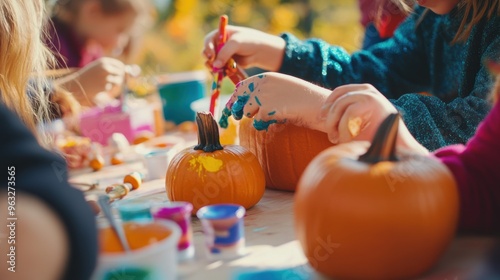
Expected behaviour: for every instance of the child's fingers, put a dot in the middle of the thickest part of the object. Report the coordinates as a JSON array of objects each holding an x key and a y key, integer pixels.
[
  {"x": 351, "y": 124},
  {"x": 225, "y": 53},
  {"x": 337, "y": 110},
  {"x": 252, "y": 107},
  {"x": 239, "y": 99},
  {"x": 209, "y": 46},
  {"x": 239, "y": 105},
  {"x": 338, "y": 92}
]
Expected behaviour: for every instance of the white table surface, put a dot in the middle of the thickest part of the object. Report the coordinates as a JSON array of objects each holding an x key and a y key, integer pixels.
[{"x": 270, "y": 237}]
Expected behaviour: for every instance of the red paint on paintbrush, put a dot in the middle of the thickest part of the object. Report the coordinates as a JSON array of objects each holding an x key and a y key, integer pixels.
[{"x": 220, "y": 75}]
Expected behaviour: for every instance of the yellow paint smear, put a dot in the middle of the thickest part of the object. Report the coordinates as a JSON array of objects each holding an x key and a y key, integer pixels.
[{"x": 206, "y": 163}]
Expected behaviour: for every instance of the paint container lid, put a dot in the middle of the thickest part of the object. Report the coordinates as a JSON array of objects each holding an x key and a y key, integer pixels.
[{"x": 221, "y": 211}]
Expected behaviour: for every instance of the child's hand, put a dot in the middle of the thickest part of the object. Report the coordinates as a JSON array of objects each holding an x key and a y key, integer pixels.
[
  {"x": 248, "y": 47},
  {"x": 276, "y": 98},
  {"x": 354, "y": 112},
  {"x": 103, "y": 76}
]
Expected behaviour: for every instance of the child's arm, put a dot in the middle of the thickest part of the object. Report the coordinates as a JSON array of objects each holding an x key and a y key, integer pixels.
[
  {"x": 354, "y": 112},
  {"x": 351, "y": 112},
  {"x": 105, "y": 75},
  {"x": 249, "y": 47},
  {"x": 272, "y": 98},
  {"x": 475, "y": 168},
  {"x": 402, "y": 67}
]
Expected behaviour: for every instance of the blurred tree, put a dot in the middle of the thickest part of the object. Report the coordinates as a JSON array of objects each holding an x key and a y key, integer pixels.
[{"x": 176, "y": 41}]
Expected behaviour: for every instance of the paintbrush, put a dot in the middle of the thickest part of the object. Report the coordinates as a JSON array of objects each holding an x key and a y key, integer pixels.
[{"x": 220, "y": 73}]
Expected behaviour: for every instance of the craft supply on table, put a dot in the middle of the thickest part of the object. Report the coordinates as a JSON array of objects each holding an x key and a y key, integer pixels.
[
  {"x": 99, "y": 124},
  {"x": 137, "y": 210},
  {"x": 153, "y": 252},
  {"x": 75, "y": 149},
  {"x": 231, "y": 69},
  {"x": 131, "y": 182},
  {"x": 156, "y": 162},
  {"x": 224, "y": 231},
  {"x": 117, "y": 228},
  {"x": 179, "y": 212},
  {"x": 177, "y": 91},
  {"x": 219, "y": 73}
]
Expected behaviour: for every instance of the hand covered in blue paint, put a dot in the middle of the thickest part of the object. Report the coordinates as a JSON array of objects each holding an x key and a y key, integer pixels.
[
  {"x": 276, "y": 98},
  {"x": 354, "y": 112}
]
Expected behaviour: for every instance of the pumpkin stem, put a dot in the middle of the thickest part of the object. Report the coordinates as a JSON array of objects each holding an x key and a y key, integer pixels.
[
  {"x": 208, "y": 133},
  {"x": 383, "y": 147}
]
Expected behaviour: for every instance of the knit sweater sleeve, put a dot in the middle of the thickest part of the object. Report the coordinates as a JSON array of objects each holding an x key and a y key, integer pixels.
[
  {"x": 474, "y": 167},
  {"x": 394, "y": 67},
  {"x": 417, "y": 59}
]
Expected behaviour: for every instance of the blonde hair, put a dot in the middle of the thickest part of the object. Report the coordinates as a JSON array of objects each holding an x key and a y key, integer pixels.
[
  {"x": 472, "y": 12},
  {"x": 23, "y": 59}
]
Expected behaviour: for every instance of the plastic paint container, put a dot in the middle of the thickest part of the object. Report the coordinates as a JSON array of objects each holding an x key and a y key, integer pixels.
[
  {"x": 178, "y": 91},
  {"x": 180, "y": 213},
  {"x": 134, "y": 210},
  {"x": 224, "y": 230},
  {"x": 153, "y": 255}
]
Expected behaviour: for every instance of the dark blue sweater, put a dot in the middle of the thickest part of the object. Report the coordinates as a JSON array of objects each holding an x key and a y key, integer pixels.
[
  {"x": 43, "y": 175},
  {"x": 419, "y": 58}
]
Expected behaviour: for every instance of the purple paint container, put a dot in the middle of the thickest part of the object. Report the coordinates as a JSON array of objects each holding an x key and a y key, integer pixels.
[{"x": 179, "y": 212}]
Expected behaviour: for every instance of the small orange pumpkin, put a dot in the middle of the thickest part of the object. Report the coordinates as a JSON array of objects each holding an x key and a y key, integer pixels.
[
  {"x": 375, "y": 216},
  {"x": 284, "y": 150},
  {"x": 97, "y": 163},
  {"x": 210, "y": 173}
]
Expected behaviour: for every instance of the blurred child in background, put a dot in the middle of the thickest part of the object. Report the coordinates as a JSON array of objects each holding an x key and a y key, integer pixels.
[
  {"x": 85, "y": 30},
  {"x": 96, "y": 38}
]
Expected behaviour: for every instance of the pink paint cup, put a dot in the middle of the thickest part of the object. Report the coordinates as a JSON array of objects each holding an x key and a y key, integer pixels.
[{"x": 180, "y": 213}]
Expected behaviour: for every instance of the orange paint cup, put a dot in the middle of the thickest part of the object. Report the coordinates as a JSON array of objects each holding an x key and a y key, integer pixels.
[{"x": 153, "y": 252}]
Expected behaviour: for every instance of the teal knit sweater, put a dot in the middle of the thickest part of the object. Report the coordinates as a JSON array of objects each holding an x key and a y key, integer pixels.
[{"x": 419, "y": 58}]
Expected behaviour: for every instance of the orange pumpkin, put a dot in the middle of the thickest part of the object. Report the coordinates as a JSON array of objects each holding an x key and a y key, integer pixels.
[
  {"x": 97, "y": 163},
  {"x": 378, "y": 215},
  {"x": 284, "y": 151},
  {"x": 210, "y": 173}
]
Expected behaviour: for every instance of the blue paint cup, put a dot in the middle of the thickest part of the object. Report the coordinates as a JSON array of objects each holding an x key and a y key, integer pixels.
[
  {"x": 178, "y": 91},
  {"x": 224, "y": 230}
]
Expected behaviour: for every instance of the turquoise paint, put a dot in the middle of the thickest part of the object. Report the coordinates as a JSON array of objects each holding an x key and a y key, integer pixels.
[
  {"x": 258, "y": 101},
  {"x": 263, "y": 125},
  {"x": 128, "y": 273},
  {"x": 251, "y": 87},
  {"x": 296, "y": 273},
  {"x": 261, "y": 76},
  {"x": 237, "y": 109},
  {"x": 214, "y": 85},
  {"x": 271, "y": 113},
  {"x": 223, "y": 121}
]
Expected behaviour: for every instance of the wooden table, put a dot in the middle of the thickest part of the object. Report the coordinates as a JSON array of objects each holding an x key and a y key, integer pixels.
[{"x": 270, "y": 237}]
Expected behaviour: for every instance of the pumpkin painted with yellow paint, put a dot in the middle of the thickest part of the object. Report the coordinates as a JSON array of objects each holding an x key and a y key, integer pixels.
[{"x": 210, "y": 173}]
